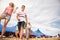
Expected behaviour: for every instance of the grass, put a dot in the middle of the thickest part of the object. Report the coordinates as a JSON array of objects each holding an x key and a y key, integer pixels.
[{"x": 31, "y": 39}]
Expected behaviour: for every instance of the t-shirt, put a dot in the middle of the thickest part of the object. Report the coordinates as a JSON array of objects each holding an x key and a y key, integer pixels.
[{"x": 21, "y": 16}]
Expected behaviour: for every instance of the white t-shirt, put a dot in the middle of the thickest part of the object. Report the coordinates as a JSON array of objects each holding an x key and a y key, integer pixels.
[{"x": 21, "y": 16}]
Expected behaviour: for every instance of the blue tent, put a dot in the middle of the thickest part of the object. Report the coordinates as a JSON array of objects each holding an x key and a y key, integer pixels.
[
  {"x": 0, "y": 27},
  {"x": 8, "y": 29},
  {"x": 37, "y": 33}
]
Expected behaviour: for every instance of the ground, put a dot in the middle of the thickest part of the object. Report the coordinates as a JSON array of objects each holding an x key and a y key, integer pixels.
[{"x": 31, "y": 39}]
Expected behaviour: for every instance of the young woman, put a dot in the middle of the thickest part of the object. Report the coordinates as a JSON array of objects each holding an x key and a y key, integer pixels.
[{"x": 7, "y": 15}]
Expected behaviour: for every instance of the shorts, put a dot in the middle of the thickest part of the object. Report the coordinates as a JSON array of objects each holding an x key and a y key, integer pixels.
[
  {"x": 6, "y": 16},
  {"x": 21, "y": 24}
]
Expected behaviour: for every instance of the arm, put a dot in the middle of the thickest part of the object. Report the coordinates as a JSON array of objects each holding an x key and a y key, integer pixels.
[
  {"x": 17, "y": 17},
  {"x": 26, "y": 19},
  {"x": 15, "y": 9},
  {"x": 30, "y": 25}
]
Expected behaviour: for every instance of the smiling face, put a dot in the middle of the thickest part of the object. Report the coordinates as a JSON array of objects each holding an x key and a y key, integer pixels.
[{"x": 23, "y": 8}]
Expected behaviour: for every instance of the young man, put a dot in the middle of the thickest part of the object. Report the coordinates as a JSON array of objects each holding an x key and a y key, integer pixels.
[{"x": 22, "y": 22}]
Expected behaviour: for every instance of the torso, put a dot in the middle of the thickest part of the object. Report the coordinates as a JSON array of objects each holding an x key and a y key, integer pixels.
[
  {"x": 9, "y": 10},
  {"x": 21, "y": 16}
]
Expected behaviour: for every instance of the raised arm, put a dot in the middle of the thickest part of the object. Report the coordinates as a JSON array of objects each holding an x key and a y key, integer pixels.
[
  {"x": 15, "y": 9},
  {"x": 17, "y": 17}
]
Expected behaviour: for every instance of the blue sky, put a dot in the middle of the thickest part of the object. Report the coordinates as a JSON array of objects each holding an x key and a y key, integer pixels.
[{"x": 43, "y": 14}]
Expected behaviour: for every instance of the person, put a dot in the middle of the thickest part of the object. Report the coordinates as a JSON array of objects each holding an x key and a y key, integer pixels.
[
  {"x": 22, "y": 22},
  {"x": 28, "y": 29},
  {"x": 7, "y": 15}
]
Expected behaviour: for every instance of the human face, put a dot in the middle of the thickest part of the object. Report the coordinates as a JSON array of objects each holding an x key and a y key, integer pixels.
[{"x": 23, "y": 8}]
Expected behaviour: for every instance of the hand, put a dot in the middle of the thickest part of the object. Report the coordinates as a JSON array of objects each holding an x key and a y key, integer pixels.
[
  {"x": 18, "y": 19},
  {"x": 16, "y": 7}
]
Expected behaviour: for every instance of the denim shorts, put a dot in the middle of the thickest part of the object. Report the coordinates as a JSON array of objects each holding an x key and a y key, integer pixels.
[
  {"x": 21, "y": 24},
  {"x": 6, "y": 16}
]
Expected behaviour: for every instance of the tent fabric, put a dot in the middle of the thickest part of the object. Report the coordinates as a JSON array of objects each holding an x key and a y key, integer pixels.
[
  {"x": 37, "y": 33},
  {"x": 8, "y": 29}
]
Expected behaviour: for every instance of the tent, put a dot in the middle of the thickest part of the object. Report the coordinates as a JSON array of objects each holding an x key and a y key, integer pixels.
[
  {"x": 36, "y": 33},
  {"x": 8, "y": 29}
]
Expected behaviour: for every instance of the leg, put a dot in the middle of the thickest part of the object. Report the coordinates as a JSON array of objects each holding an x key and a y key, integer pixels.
[
  {"x": 27, "y": 33},
  {"x": 1, "y": 17},
  {"x": 21, "y": 33},
  {"x": 4, "y": 27},
  {"x": 16, "y": 33}
]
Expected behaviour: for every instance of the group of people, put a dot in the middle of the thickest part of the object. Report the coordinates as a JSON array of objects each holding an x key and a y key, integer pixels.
[{"x": 21, "y": 17}]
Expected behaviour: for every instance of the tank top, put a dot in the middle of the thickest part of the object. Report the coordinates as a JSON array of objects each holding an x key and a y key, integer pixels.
[{"x": 9, "y": 10}]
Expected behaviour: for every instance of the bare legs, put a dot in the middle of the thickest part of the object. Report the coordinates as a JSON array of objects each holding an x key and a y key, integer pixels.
[
  {"x": 21, "y": 33},
  {"x": 16, "y": 33},
  {"x": 27, "y": 33},
  {"x": 5, "y": 23},
  {"x": 4, "y": 27},
  {"x": 1, "y": 17}
]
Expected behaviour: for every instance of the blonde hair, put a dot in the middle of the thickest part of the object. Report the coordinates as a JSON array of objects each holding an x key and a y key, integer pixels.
[{"x": 11, "y": 4}]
